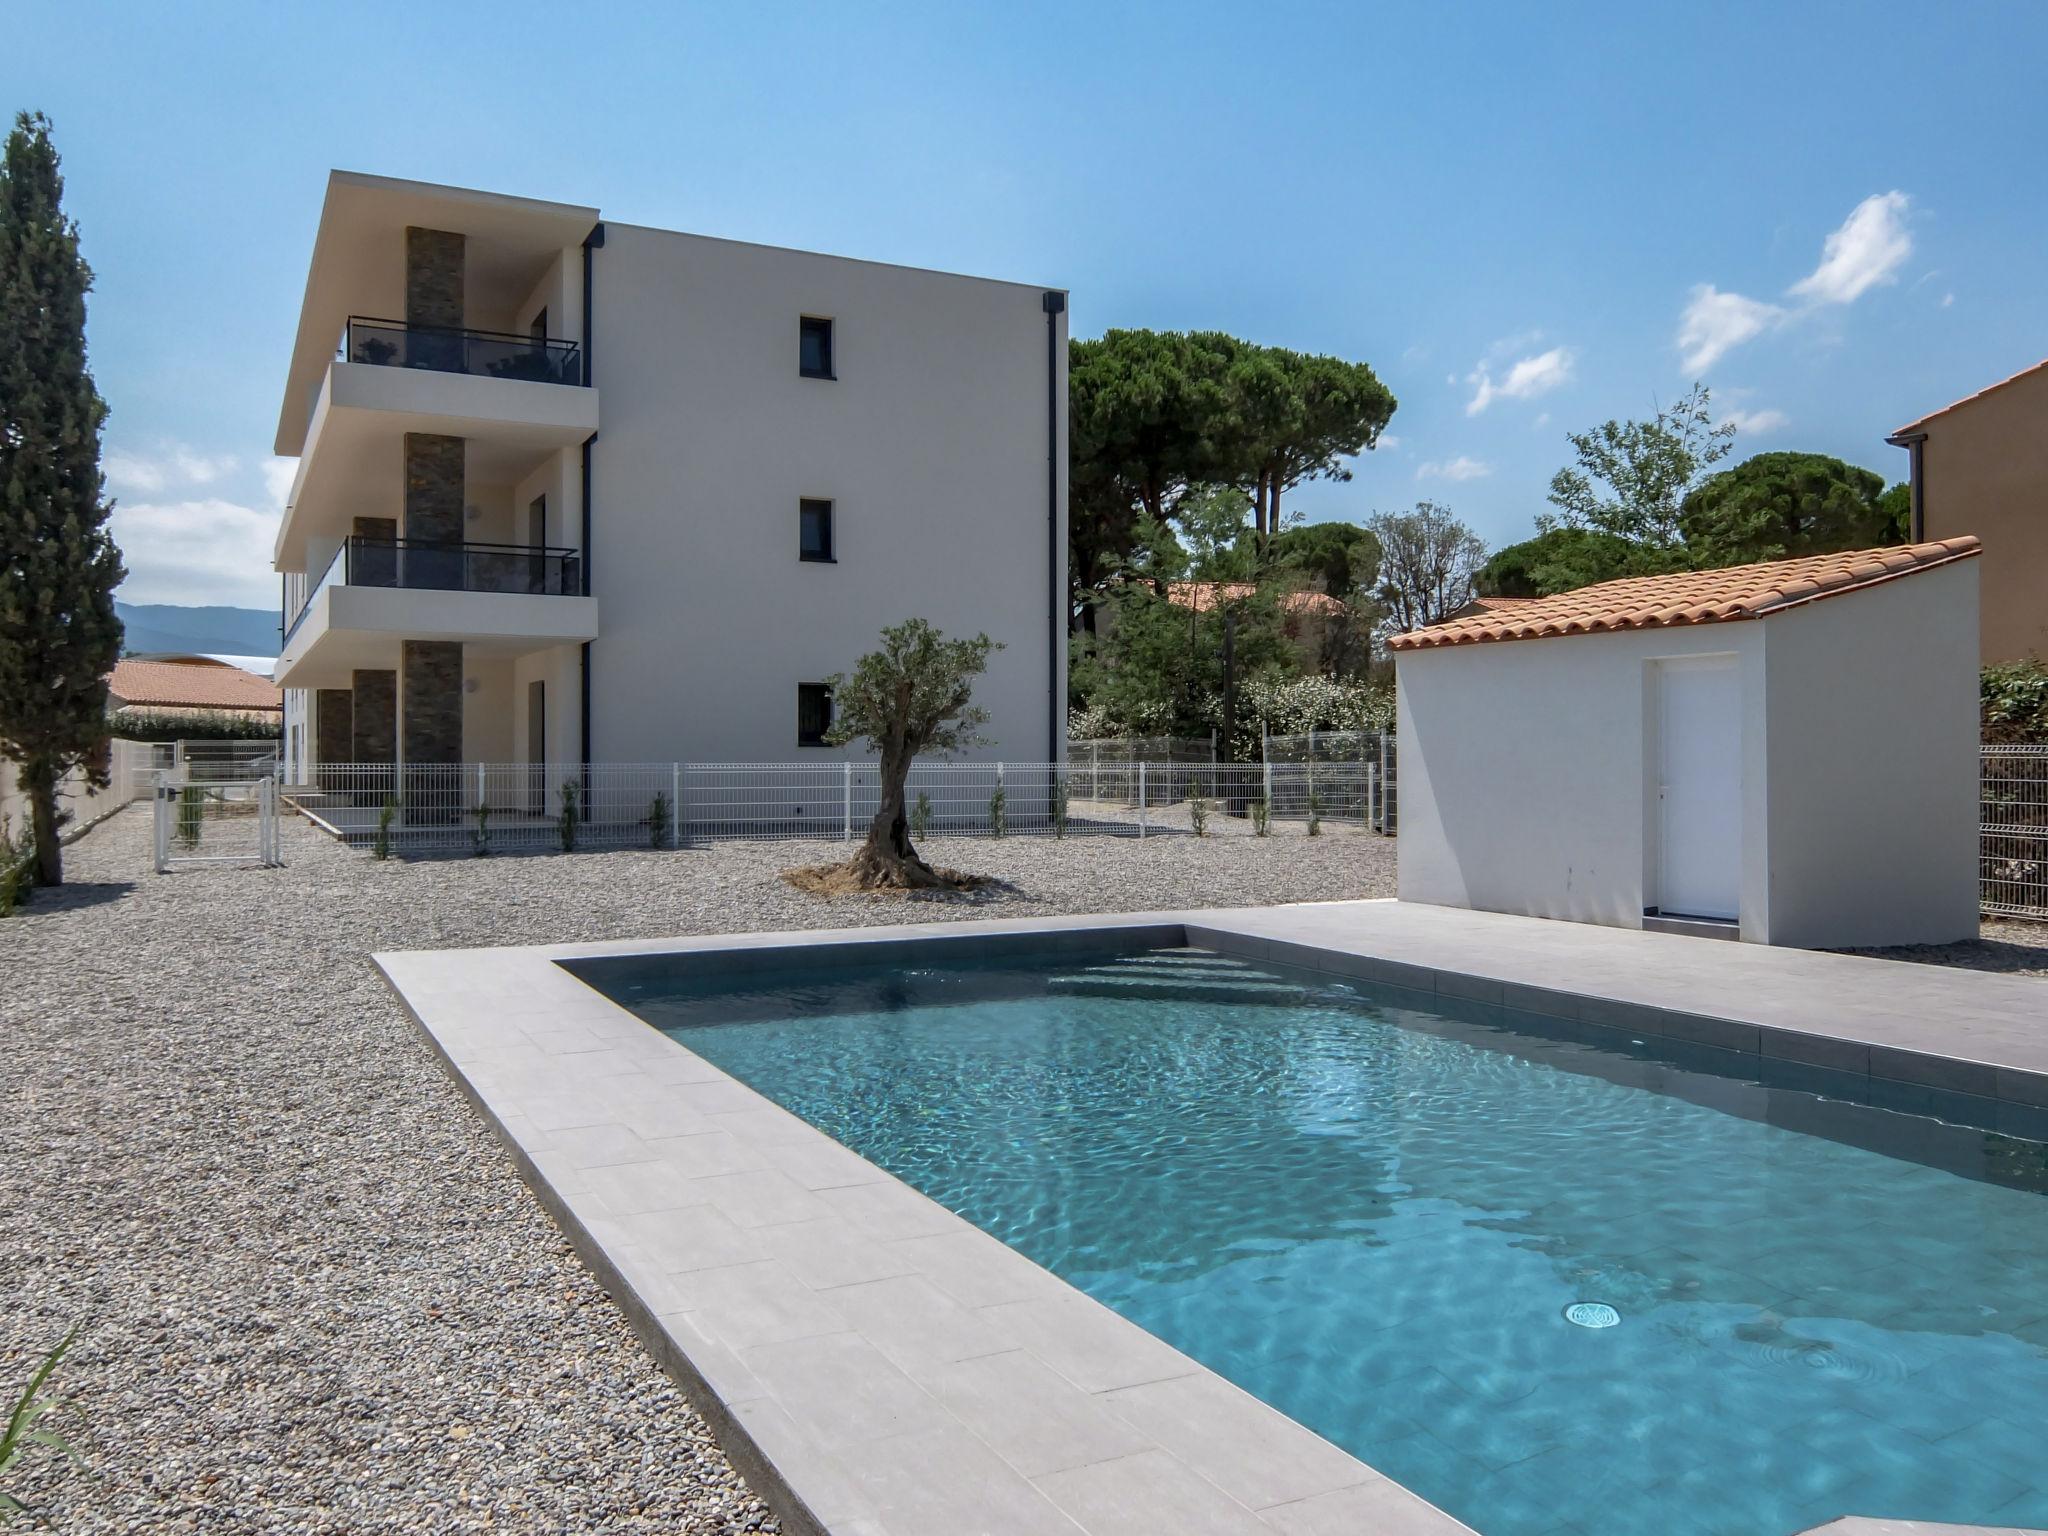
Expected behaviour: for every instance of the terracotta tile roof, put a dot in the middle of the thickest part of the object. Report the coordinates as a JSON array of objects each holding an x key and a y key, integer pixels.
[
  {"x": 1915, "y": 425},
  {"x": 1691, "y": 597},
  {"x": 1493, "y": 605},
  {"x": 190, "y": 684},
  {"x": 1204, "y": 595}
]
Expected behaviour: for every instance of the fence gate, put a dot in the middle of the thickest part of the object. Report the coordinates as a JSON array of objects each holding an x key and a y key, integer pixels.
[
  {"x": 2013, "y": 831},
  {"x": 209, "y": 821}
]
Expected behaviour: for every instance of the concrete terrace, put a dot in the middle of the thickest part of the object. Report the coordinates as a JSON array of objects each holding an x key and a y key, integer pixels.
[{"x": 876, "y": 1364}]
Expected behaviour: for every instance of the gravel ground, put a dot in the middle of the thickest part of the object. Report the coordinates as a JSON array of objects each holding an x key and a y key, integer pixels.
[
  {"x": 2013, "y": 945},
  {"x": 315, "y": 1297}
]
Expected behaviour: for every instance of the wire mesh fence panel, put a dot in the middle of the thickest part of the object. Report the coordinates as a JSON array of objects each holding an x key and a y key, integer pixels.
[
  {"x": 214, "y": 821},
  {"x": 494, "y": 807},
  {"x": 2013, "y": 831},
  {"x": 541, "y": 807},
  {"x": 226, "y": 760}
]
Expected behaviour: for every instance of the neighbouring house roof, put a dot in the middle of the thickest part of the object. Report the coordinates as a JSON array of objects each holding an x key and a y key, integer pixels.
[
  {"x": 1204, "y": 595},
  {"x": 190, "y": 682},
  {"x": 1916, "y": 425},
  {"x": 1691, "y": 597}
]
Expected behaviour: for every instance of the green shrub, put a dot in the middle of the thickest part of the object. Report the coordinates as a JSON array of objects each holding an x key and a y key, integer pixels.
[
  {"x": 1315, "y": 813},
  {"x": 998, "y": 806},
  {"x": 23, "y": 1429},
  {"x": 565, "y": 824},
  {"x": 380, "y": 846},
  {"x": 17, "y": 865},
  {"x": 1059, "y": 805},
  {"x": 921, "y": 815},
  {"x": 192, "y": 725},
  {"x": 658, "y": 817},
  {"x": 1262, "y": 815},
  {"x": 1198, "y": 816},
  {"x": 2014, "y": 702},
  {"x": 191, "y": 815},
  {"x": 482, "y": 813}
]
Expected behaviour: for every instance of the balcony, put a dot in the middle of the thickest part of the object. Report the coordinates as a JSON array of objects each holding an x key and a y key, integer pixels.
[
  {"x": 444, "y": 349},
  {"x": 504, "y": 599}
]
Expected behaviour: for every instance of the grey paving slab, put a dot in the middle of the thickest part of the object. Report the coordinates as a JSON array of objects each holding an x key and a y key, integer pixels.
[{"x": 881, "y": 1367}]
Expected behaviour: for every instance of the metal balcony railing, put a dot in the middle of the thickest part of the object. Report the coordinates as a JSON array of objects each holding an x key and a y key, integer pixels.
[
  {"x": 452, "y": 349},
  {"x": 419, "y": 565}
]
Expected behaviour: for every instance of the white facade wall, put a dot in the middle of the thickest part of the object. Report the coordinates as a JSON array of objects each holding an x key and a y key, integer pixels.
[
  {"x": 1873, "y": 730},
  {"x": 1527, "y": 769},
  {"x": 1524, "y": 771},
  {"x": 930, "y": 443}
]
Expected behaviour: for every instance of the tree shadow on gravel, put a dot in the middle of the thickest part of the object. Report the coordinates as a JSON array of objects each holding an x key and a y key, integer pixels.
[{"x": 75, "y": 894}]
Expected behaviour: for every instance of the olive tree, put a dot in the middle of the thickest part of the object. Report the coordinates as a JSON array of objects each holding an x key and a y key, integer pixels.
[{"x": 914, "y": 695}]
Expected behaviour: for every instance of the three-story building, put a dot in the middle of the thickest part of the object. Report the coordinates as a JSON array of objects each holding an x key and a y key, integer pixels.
[{"x": 571, "y": 490}]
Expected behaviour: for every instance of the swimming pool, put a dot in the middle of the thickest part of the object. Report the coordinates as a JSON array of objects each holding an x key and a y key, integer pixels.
[{"x": 1376, "y": 1217}]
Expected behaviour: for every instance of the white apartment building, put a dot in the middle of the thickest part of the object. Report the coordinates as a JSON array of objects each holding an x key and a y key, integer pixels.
[{"x": 571, "y": 490}]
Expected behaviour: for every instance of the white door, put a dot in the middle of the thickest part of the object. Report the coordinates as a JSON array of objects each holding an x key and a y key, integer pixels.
[{"x": 1699, "y": 815}]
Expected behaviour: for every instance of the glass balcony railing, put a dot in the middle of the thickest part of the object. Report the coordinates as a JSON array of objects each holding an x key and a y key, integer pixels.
[
  {"x": 448, "y": 349},
  {"x": 420, "y": 566}
]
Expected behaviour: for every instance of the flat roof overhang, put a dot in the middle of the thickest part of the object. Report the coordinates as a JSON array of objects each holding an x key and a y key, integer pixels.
[
  {"x": 349, "y": 628},
  {"x": 358, "y": 265}
]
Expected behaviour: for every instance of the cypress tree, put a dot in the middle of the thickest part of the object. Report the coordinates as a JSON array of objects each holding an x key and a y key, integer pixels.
[{"x": 59, "y": 637}]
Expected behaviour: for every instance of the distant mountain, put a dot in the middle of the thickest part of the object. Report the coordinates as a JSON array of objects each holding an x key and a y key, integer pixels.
[{"x": 209, "y": 631}]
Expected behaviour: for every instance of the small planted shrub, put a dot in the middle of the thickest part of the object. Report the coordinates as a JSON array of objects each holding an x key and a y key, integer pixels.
[
  {"x": 1198, "y": 816},
  {"x": 921, "y": 815},
  {"x": 658, "y": 816},
  {"x": 1315, "y": 814},
  {"x": 565, "y": 824},
  {"x": 191, "y": 815},
  {"x": 23, "y": 1430},
  {"x": 1059, "y": 805},
  {"x": 380, "y": 846},
  {"x": 998, "y": 807},
  {"x": 17, "y": 866},
  {"x": 482, "y": 813},
  {"x": 1262, "y": 816}
]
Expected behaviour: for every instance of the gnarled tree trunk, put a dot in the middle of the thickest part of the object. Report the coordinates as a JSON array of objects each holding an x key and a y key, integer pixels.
[{"x": 887, "y": 861}]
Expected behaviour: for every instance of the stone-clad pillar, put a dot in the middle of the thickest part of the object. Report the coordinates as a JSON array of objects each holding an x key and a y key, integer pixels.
[
  {"x": 333, "y": 732},
  {"x": 433, "y": 488},
  {"x": 430, "y": 719},
  {"x": 433, "y": 277},
  {"x": 373, "y": 732}
]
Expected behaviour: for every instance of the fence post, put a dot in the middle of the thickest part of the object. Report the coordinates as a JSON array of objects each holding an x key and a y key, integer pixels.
[
  {"x": 1094, "y": 770},
  {"x": 1266, "y": 780},
  {"x": 1387, "y": 812},
  {"x": 846, "y": 806},
  {"x": 675, "y": 805},
  {"x": 1141, "y": 797}
]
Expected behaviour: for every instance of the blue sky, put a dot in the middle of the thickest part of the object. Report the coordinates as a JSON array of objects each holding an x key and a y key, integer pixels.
[{"x": 1527, "y": 218}]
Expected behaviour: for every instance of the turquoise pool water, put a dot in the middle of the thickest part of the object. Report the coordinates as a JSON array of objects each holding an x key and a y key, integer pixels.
[{"x": 1375, "y": 1219}]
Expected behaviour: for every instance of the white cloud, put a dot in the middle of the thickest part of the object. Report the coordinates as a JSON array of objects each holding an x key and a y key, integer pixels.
[
  {"x": 1463, "y": 467},
  {"x": 278, "y": 475},
  {"x": 1947, "y": 299},
  {"x": 1525, "y": 379},
  {"x": 172, "y": 465},
  {"x": 1869, "y": 248},
  {"x": 1388, "y": 442},
  {"x": 204, "y": 551},
  {"x": 1714, "y": 323},
  {"x": 1542, "y": 419},
  {"x": 1759, "y": 422}
]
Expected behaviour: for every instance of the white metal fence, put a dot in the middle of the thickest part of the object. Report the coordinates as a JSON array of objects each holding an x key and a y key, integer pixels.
[
  {"x": 215, "y": 821},
  {"x": 507, "y": 807},
  {"x": 2013, "y": 831}
]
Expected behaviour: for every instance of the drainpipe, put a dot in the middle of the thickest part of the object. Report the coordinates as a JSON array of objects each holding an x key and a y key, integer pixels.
[
  {"x": 1055, "y": 305},
  {"x": 594, "y": 241},
  {"x": 1914, "y": 443}
]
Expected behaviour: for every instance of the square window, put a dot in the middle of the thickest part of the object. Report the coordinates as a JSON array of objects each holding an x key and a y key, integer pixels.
[
  {"x": 814, "y": 348},
  {"x": 813, "y": 714},
  {"x": 814, "y": 536}
]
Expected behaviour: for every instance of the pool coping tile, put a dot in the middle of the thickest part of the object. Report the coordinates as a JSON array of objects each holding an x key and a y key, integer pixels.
[{"x": 755, "y": 1308}]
